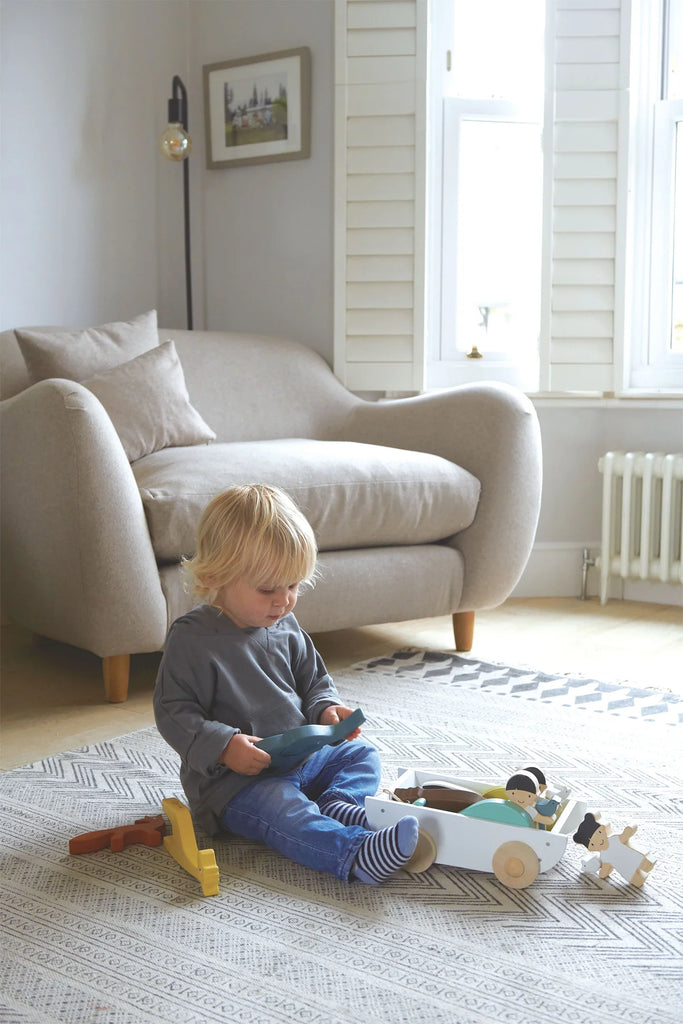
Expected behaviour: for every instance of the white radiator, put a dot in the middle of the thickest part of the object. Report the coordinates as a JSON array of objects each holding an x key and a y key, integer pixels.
[{"x": 642, "y": 522}]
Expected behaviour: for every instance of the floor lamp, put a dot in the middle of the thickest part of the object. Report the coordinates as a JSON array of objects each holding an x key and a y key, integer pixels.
[{"x": 175, "y": 144}]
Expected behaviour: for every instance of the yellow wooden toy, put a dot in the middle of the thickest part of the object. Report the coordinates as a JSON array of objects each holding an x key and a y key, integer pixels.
[
  {"x": 182, "y": 846},
  {"x": 495, "y": 793}
]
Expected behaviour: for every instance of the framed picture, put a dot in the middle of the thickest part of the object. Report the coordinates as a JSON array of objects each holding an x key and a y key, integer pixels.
[{"x": 258, "y": 109}]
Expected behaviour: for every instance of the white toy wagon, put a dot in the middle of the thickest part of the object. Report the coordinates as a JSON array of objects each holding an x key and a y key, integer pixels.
[{"x": 489, "y": 834}]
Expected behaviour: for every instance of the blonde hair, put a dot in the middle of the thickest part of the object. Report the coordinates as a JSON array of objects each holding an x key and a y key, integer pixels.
[{"x": 254, "y": 531}]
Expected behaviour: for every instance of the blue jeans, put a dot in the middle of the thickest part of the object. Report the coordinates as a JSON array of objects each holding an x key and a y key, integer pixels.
[{"x": 283, "y": 811}]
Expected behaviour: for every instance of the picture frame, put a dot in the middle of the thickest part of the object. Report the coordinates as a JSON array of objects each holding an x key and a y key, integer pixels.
[{"x": 257, "y": 109}]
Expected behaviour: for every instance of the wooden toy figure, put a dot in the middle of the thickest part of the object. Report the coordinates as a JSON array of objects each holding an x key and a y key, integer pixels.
[
  {"x": 612, "y": 852},
  {"x": 523, "y": 789},
  {"x": 549, "y": 799}
]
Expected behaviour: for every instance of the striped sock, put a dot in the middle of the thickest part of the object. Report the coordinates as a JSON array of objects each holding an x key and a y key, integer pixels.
[
  {"x": 386, "y": 851},
  {"x": 347, "y": 813}
]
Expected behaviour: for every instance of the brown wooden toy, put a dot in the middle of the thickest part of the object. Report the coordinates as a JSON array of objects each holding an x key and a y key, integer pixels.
[
  {"x": 442, "y": 797},
  {"x": 147, "y": 830}
]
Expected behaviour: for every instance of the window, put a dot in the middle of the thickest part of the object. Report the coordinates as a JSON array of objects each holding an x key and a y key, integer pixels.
[
  {"x": 489, "y": 197},
  {"x": 655, "y": 278},
  {"x": 607, "y": 201}
]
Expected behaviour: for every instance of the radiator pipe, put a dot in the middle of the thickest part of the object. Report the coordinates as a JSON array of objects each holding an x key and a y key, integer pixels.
[{"x": 588, "y": 563}]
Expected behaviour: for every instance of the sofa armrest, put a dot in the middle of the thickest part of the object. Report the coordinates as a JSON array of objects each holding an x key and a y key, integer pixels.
[
  {"x": 78, "y": 564},
  {"x": 492, "y": 431}
]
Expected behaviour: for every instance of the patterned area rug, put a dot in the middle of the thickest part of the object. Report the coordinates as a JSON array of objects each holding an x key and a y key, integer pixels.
[
  {"x": 612, "y": 698},
  {"x": 127, "y": 938}
]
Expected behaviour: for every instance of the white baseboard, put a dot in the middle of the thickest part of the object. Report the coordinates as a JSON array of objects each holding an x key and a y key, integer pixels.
[
  {"x": 554, "y": 569},
  {"x": 660, "y": 593}
]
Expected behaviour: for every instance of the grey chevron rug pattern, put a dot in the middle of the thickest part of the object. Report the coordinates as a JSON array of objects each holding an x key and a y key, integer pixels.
[
  {"x": 642, "y": 702},
  {"x": 128, "y": 938}
]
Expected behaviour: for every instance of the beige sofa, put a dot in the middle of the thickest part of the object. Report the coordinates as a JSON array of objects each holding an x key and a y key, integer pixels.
[{"x": 422, "y": 506}]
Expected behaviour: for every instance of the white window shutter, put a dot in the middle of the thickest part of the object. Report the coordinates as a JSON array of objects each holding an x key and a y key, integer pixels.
[
  {"x": 380, "y": 153},
  {"x": 586, "y": 234},
  {"x": 380, "y": 182}
]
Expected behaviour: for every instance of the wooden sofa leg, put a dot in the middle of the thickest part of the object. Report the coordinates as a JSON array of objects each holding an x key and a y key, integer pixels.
[
  {"x": 116, "y": 672},
  {"x": 463, "y": 629}
]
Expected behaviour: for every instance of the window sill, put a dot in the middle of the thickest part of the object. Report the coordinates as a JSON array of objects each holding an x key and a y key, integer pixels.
[{"x": 578, "y": 399}]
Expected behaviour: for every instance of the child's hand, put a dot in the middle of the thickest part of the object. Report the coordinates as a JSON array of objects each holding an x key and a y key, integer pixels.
[
  {"x": 243, "y": 757},
  {"x": 337, "y": 713}
]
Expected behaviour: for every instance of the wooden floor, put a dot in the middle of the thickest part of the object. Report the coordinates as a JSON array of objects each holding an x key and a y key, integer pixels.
[{"x": 52, "y": 694}]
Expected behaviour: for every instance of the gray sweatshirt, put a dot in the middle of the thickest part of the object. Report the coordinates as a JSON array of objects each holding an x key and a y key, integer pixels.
[{"x": 215, "y": 680}]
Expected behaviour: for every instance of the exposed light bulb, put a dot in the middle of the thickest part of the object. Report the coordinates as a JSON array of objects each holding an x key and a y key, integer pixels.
[{"x": 175, "y": 143}]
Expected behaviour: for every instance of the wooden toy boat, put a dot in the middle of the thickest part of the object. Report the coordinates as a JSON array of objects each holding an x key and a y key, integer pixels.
[{"x": 486, "y": 836}]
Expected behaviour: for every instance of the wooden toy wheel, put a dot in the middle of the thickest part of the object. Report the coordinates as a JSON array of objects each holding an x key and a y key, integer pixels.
[
  {"x": 515, "y": 865},
  {"x": 424, "y": 855}
]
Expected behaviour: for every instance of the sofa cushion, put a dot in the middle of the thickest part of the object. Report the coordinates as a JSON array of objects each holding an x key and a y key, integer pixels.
[
  {"x": 355, "y": 495},
  {"x": 77, "y": 354},
  {"x": 148, "y": 403}
]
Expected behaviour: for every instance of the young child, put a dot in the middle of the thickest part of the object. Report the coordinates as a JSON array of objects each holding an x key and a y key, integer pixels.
[{"x": 239, "y": 668}]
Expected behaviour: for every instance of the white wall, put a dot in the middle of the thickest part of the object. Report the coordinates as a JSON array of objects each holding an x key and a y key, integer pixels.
[
  {"x": 91, "y": 215},
  {"x": 268, "y": 228},
  {"x": 83, "y": 87}
]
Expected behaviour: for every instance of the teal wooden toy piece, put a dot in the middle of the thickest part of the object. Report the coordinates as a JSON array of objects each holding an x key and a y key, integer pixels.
[
  {"x": 502, "y": 811},
  {"x": 288, "y": 749}
]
